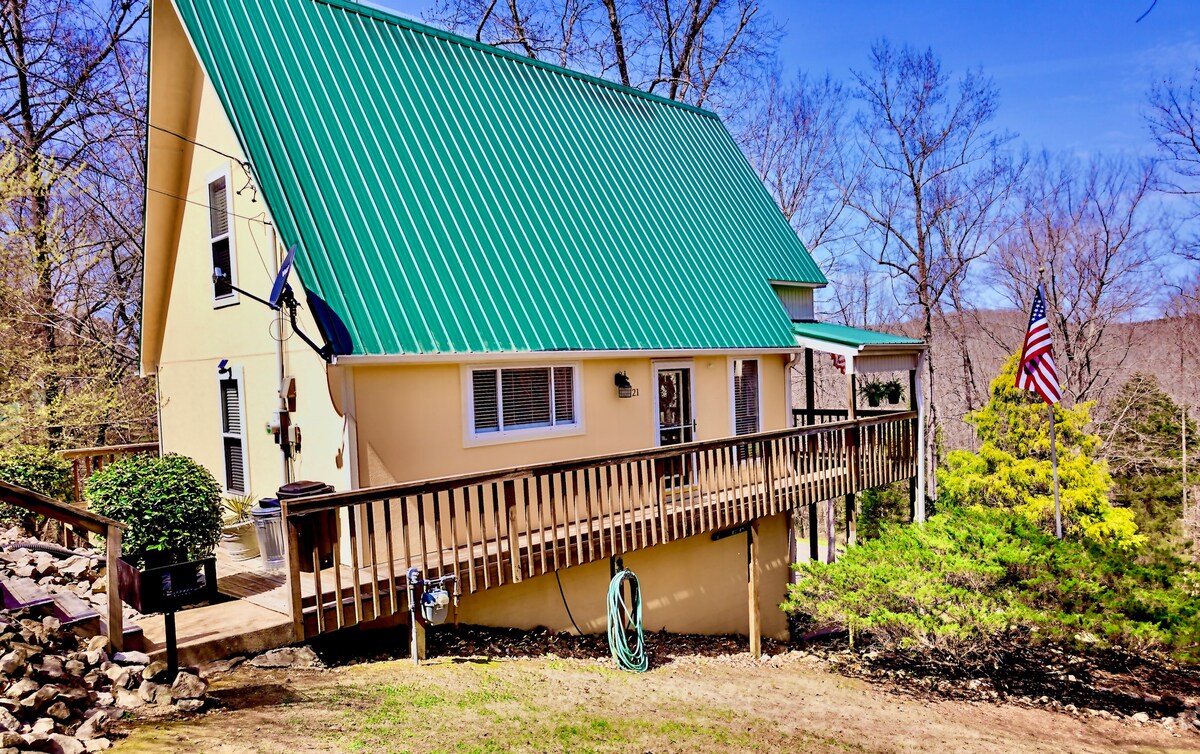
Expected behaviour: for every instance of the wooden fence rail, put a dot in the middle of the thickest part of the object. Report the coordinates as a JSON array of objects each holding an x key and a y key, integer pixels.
[
  {"x": 87, "y": 461},
  {"x": 504, "y": 526},
  {"x": 81, "y": 521}
]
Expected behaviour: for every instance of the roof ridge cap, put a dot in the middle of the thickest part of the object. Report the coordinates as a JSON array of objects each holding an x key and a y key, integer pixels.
[{"x": 387, "y": 15}]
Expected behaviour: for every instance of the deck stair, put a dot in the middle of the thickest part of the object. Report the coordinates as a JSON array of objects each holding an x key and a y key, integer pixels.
[{"x": 23, "y": 593}]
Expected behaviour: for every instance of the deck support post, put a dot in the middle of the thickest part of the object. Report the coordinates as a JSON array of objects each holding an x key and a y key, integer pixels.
[
  {"x": 814, "y": 544},
  {"x": 919, "y": 398},
  {"x": 116, "y": 614},
  {"x": 830, "y": 531},
  {"x": 912, "y": 481},
  {"x": 416, "y": 644},
  {"x": 295, "y": 595},
  {"x": 851, "y": 520},
  {"x": 752, "y": 584}
]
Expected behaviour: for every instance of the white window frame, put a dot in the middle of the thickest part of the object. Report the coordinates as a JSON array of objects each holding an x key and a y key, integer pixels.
[
  {"x": 522, "y": 434},
  {"x": 220, "y": 302},
  {"x": 656, "y": 414},
  {"x": 237, "y": 375},
  {"x": 733, "y": 394}
]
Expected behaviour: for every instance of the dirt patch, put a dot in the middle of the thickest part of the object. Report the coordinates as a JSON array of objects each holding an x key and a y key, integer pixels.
[{"x": 507, "y": 698}]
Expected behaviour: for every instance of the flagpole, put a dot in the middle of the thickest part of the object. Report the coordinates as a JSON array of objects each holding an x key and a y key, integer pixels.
[{"x": 1054, "y": 467}]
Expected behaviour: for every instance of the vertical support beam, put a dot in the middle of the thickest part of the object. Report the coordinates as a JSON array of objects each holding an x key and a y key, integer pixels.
[
  {"x": 116, "y": 614},
  {"x": 416, "y": 645},
  {"x": 913, "y": 401},
  {"x": 830, "y": 531},
  {"x": 919, "y": 393},
  {"x": 752, "y": 589},
  {"x": 814, "y": 545},
  {"x": 851, "y": 520},
  {"x": 851, "y": 393},
  {"x": 295, "y": 596},
  {"x": 810, "y": 415}
]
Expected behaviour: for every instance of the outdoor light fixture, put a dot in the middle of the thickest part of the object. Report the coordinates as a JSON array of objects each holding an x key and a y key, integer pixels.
[
  {"x": 624, "y": 388},
  {"x": 223, "y": 367}
]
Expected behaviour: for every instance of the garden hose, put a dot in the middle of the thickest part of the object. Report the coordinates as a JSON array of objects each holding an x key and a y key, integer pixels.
[{"x": 622, "y": 616}]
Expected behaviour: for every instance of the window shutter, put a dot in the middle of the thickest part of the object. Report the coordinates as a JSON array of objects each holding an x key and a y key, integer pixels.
[
  {"x": 745, "y": 397},
  {"x": 235, "y": 466},
  {"x": 484, "y": 401},
  {"x": 218, "y": 208},
  {"x": 526, "y": 397},
  {"x": 564, "y": 395},
  {"x": 231, "y": 407}
]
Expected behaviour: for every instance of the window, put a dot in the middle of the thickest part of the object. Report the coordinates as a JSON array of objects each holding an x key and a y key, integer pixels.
[
  {"x": 745, "y": 397},
  {"x": 221, "y": 241},
  {"x": 523, "y": 399},
  {"x": 233, "y": 434}
]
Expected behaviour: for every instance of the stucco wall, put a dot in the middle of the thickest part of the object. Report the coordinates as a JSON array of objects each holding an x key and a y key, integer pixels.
[
  {"x": 411, "y": 418},
  {"x": 694, "y": 585}
]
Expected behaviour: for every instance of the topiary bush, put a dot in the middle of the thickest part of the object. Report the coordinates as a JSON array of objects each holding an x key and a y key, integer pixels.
[
  {"x": 35, "y": 468},
  {"x": 171, "y": 504}
]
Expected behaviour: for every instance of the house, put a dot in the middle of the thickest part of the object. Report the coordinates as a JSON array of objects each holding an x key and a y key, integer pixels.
[{"x": 540, "y": 305}]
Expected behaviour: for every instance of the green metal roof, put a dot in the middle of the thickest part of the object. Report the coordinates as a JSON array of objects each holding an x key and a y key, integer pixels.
[
  {"x": 448, "y": 196},
  {"x": 850, "y": 336}
]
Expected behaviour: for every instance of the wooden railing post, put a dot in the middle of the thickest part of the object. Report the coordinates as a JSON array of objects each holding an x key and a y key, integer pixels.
[
  {"x": 295, "y": 594},
  {"x": 116, "y": 613}
]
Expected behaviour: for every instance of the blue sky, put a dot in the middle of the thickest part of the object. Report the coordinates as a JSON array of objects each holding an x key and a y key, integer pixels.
[{"x": 1072, "y": 74}]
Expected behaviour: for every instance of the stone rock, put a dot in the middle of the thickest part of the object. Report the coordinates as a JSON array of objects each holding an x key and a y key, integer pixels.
[
  {"x": 105, "y": 699},
  {"x": 43, "y": 725},
  {"x": 99, "y": 586},
  {"x": 223, "y": 666},
  {"x": 75, "y": 567},
  {"x": 22, "y": 688},
  {"x": 97, "y": 744},
  {"x": 188, "y": 686},
  {"x": 190, "y": 705},
  {"x": 97, "y": 723},
  {"x": 9, "y": 721},
  {"x": 287, "y": 657},
  {"x": 74, "y": 667},
  {"x": 92, "y": 657},
  {"x": 132, "y": 658},
  {"x": 74, "y": 696},
  {"x": 97, "y": 644},
  {"x": 40, "y": 698},
  {"x": 13, "y": 661},
  {"x": 59, "y": 711},
  {"x": 120, "y": 677},
  {"x": 52, "y": 623},
  {"x": 60, "y": 744},
  {"x": 127, "y": 699},
  {"x": 1140, "y": 717},
  {"x": 155, "y": 693},
  {"x": 154, "y": 670},
  {"x": 9, "y": 740},
  {"x": 52, "y": 667}
]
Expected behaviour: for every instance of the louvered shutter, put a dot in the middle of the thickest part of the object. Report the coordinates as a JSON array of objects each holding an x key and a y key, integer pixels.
[
  {"x": 233, "y": 438},
  {"x": 525, "y": 398},
  {"x": 745, "y": 397},
  {"x": 231, "y": 407},
  {"x": 485, "y": 401},
  {"x": 235, "y": 466},
  {"x": 564, "y": 395},
  {"x": 218, "y": 208}
]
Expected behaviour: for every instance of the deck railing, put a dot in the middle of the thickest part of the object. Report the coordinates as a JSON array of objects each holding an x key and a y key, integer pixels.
[
  {"x": 508, "y": 525},
  {"x": 80, "y": 522},
  {"x": 87, "y": 461}
]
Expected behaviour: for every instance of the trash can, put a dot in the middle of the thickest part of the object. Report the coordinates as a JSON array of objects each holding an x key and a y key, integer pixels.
[
  {"x": 317, "y": 533},
  {"x": 268, "y": 527}
]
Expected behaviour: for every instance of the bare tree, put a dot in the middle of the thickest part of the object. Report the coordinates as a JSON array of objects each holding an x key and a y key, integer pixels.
[
  {"x": 1092, "y": 228},
  {"x": 938, "y": 184},
  {"x": 1173, "y": 116},
  {"x": 695, "y": 51},
  {"x": 71, "y": 114}
]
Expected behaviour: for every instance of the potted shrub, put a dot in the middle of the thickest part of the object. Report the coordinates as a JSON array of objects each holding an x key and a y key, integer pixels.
[
  {"x": 895, "y": 391},
  {"x": 172, "y": 507},
  {"x": 237, "y": 534},
  {"x": 874, "y": 391}
]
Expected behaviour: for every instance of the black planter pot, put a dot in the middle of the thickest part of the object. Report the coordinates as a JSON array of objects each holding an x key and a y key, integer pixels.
[
  {"x": 893, "y": 396},
  {"x": 166, "y": 587},
  {"x": 873, "y": 401}
]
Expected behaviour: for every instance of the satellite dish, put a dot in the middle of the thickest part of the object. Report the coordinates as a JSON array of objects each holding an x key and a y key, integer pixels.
[{"x": 281, "y": 283}]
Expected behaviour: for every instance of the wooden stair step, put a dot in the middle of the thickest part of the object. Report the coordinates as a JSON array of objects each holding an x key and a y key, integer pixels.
[
  {"x": 134, "y": 639},
  {"x": 72, "y": 610},
  {"x": 23, "y": 594}
]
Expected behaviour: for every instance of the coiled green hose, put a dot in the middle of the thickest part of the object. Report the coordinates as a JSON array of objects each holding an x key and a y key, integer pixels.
[{"x": 621, "y": 616}]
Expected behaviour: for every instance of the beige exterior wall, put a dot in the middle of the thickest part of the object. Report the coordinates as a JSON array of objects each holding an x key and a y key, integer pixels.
[
  {"x": 694, "y": 585},
  {"x": 412, "y": 419},
  {"x": 196, "y": 336}
]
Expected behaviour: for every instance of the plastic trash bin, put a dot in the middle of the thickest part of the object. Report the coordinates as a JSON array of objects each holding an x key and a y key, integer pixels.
[{"x": 268, "y": 527}]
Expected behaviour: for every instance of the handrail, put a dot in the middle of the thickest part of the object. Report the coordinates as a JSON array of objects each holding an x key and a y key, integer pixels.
[
  {"x": 81, "y": 518},
  {"x": 335, "y": 500},
  {"x": 108, "y": 450},
  {"x": 72, "y": 515}
]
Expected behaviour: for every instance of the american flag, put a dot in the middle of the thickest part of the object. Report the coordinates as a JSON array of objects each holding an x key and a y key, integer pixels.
[{"x": 1036, "y": 371}]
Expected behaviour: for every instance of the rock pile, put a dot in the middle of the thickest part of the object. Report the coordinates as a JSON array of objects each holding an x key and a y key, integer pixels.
[{"x": 61, "y": 692}]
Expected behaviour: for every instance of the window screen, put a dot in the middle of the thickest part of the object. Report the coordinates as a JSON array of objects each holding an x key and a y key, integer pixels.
[
  {"x": 504, "y": 400},
  {"x": 745, "y": 397}
]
